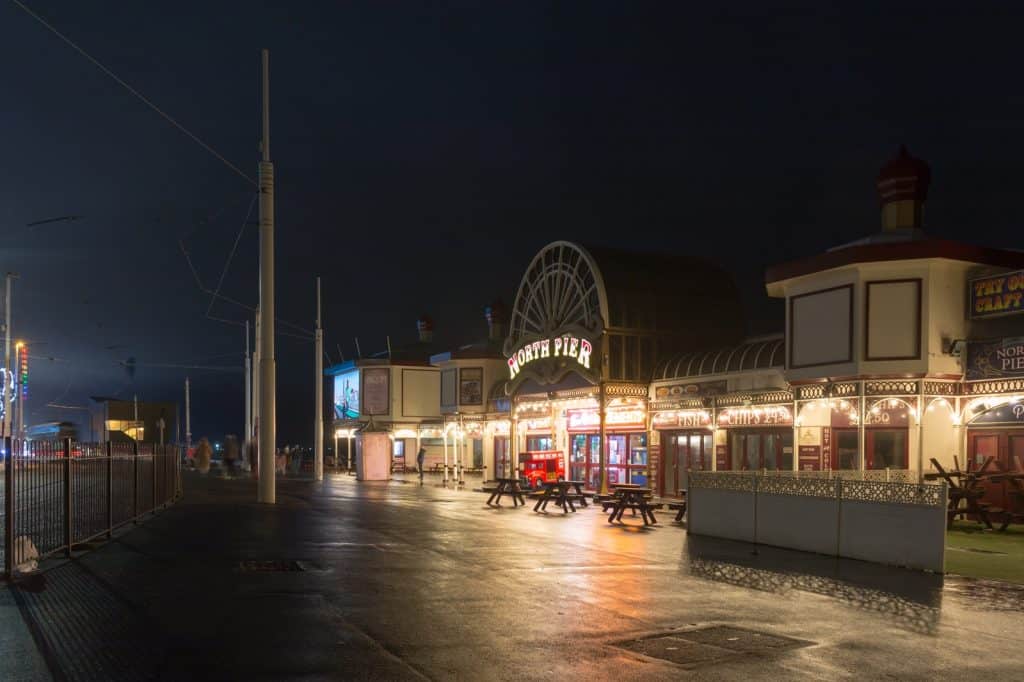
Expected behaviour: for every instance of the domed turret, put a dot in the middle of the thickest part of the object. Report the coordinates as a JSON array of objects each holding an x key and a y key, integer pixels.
[{"x": 902, "y": 190}]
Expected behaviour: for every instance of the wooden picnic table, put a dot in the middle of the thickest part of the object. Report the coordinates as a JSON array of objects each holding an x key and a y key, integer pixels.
[
  {"x": 1014, "y": 495},
  {"x": 967, "y": 487},
  {"x": 631, "y": 497},
  {"x": 679, "y": 505},
  {"x": 507, "y": 486},
  {"x": 561, "y": 492}
]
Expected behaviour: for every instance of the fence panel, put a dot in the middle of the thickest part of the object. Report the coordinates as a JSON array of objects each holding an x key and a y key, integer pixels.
[
  {"x": 88, "y": 491},
  {"x": 883, "y": 521},
  {"x": 123, "y": 474},
  {"x": 39, "y": 502},
  {"x": 57, "y": 494}
]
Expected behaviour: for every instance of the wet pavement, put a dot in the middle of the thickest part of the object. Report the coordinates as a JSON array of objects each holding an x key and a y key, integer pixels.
[{"x": 395, "y": 581}]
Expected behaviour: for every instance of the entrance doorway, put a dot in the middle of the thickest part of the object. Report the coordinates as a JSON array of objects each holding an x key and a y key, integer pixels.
[
  {"x": 1007, "y": 447},
  {"x": 846, "y": 450},
  {"x": 585, "y": 459},
  {"x": 753, "y": 450},
  {"x": 681, "y": 452},
  {"x": 502, "y": 462},
  {"x": 886, "y": 449}
]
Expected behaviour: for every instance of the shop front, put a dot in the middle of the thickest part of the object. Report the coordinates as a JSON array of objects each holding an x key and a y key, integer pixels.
[
  {"x": 686, "y": 444},
  {"x": 886, "y": 433},
  {"x": 626, "y": 437},
  {"x": 758, "y": 438}
]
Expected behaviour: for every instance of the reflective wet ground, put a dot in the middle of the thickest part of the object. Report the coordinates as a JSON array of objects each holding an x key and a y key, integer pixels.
[{"x": 397, "y": 581}]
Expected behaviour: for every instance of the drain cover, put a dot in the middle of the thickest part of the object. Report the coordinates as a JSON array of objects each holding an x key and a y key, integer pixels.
[
  {"x": 269, "y": 566},
  {"x": 744, "y": 641},
  {"x": 697, "y": 647},
  {"x": 676, "y": 650}
]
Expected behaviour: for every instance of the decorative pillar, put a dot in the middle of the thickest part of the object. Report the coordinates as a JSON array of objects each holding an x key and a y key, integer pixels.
[
  {"x": 863, "y": 417},
  {"x": 445, "y": 433},
  {"x": 513, "y": 447},
  {"x": 603, "y": 459},
  {"x": 920, "y": 432}
]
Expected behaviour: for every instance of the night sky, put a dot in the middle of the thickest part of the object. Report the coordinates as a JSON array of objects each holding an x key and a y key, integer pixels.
[{"x": 425, "y": 151}]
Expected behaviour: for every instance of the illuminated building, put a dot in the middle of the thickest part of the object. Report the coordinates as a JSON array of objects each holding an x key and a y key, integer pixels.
[
  {"x": 898, "y": 348},
  {"x": 398, "y": 389},
  {"x": 585, "y": 332}
]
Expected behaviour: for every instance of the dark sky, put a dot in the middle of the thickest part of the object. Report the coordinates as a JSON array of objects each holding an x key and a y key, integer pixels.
[{"x": 425, "y": 151}]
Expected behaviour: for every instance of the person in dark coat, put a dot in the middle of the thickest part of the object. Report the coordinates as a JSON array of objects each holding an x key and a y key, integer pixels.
[{"x": 419, "y": 462}]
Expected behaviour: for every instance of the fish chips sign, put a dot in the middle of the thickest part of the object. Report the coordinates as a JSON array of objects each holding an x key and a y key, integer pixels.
[
  {"x": 548, "y": 360},
  {"x": 997, "y": 295}
]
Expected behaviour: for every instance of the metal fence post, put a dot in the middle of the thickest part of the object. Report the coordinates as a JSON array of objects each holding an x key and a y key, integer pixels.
[
  {"x": 68, "y": 520},
  {"x": 135, "y": 482},
  {"x": 8, "y": 508},
  {"x": 110, "y": 491},
  {"x": 153, "y": 486}
]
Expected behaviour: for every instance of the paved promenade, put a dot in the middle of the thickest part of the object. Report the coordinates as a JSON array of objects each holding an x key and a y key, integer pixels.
[{"x": 397, "y": 581}]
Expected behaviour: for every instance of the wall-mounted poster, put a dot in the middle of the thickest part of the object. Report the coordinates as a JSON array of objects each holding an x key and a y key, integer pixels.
[
  {"x": 376, "y": 390},
  {"x": 995, "y": 359},
  {"x": 699, "y": 389},
  {"x": 810, "y": 458},
  {"x": 471, "y": 386},
  {"x": 997, "y": 295},
  {"x": 346, "y": 395}
]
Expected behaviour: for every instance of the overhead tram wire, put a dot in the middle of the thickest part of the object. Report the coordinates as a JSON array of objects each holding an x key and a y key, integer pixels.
[
  {"x": 231, "y": 254},
  {"x": 167, "y": 117}
]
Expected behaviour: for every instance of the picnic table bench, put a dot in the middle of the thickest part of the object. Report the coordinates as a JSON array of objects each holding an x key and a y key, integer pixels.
[
  {"x": 634, "y": 498},
  {"x": 679, "y": 505},
  {"x": 507, "y": 486},
  {"x": 564, "y": 494},
  {"x": 967, "y": 487}
]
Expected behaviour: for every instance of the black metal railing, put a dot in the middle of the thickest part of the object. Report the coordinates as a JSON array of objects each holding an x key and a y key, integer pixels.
[{"x": 59, "y": 495}]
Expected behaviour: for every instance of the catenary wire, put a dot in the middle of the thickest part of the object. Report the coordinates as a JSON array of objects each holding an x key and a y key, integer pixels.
[{"x": 135, "y": 92}]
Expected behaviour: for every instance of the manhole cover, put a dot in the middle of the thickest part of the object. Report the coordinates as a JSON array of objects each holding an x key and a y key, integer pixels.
[
  {"x": 697, "y": 647},
  {"x": 676, "y": 650},
  {"x": 745, "y": 641},
  {"x": 269, "y": 566}
]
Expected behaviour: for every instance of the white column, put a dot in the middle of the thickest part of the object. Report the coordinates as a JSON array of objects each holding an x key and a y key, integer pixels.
[
  {"x": 445, "y": 429},
  {"x": 490, "y": 466},
  {"x": 318, "y": 427},
  {"x": 861, "y": 445},
  {"x": 268, "y": 372}
]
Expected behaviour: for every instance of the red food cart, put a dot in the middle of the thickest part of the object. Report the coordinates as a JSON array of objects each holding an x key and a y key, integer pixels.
[{"x": 539, "y": 466}]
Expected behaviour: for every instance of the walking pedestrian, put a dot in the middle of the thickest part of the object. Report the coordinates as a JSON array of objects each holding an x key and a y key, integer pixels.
[
  {"x": 203, "y": 455},
  {"x": 420, "y": 456},
  {"x": 230, "y": 455}
]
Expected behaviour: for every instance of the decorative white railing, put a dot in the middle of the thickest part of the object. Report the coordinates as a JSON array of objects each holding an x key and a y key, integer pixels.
[{"x": 864, "y": 486}]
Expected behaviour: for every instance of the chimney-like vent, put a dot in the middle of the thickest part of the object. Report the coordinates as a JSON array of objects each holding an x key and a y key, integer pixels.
[
  {"x": 425, "y": 327},
  {"x": 902, "y": 190},
  {"x": 495, "y": 314}
]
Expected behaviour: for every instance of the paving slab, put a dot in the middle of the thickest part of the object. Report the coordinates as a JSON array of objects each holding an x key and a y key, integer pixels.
[{"x": 342, "y": 580}]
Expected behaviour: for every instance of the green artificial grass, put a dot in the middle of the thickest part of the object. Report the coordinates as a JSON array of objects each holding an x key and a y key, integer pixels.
[{"x": 972, "y": 552}]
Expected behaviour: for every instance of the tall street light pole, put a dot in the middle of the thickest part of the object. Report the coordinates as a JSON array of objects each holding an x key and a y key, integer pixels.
[
  {"x": 318, "y": 428},
  {"x": 247, "y": 433},
  {"x": 8, "y": 383},
  {"x": 268, "y": 373}
]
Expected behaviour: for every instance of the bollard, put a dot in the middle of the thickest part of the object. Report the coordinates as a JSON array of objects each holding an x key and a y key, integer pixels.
[{"x": 67, "y": 497}]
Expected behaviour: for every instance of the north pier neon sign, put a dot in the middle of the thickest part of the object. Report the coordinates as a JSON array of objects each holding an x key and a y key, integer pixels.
[{"x": 563, "y": 346}]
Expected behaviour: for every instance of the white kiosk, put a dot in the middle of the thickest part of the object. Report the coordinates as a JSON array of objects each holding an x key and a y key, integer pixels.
[{"x": 373, "y": 454}]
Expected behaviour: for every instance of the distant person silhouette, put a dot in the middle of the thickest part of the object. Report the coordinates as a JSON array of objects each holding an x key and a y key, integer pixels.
[{"x": 419, "y": 462}]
